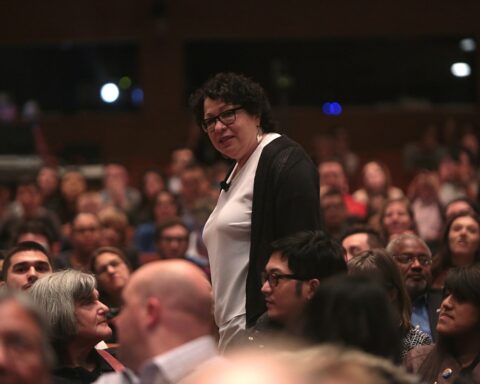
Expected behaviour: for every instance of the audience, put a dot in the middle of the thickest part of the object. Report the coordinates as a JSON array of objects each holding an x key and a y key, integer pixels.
[
  {"x": 455, "y": 357},
  {"x": 345, "y": 311},
  {"x": 24, "y": 264},
  {"x": 165, "y": 324},
  {"x": 167, "y": 306},
  {"x": 378, "y": 264},
  {"x": 357, "y": 239},
  {"x": 26, "y": 356},
  {"x": 460, "y": 246},
  {"x": 77, "y": 322},
  {"x": 297, "y": 266},
  {"x": 396, "y": 217},
  {"x": 414, "y": 260}
]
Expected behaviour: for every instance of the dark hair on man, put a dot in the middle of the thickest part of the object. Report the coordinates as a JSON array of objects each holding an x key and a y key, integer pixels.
[
  {"x": 168, "y": 224},
  {"x": 28, "y": 181},
  {"x": 473, "y": 205},
  {"x": 345, "y": 311},
  {"x": 22, "y": 247},
  {"x": 36, "y": 227},
  {"x": 374, "y": 239},
  {"x": 236, "y": 89},
  {"x": 311, "y": 254}
]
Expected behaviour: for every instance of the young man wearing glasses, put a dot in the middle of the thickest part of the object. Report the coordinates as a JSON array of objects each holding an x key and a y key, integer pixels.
[
  {"x": 414, "y": 260},
  {"x": 297, "y": 265}
]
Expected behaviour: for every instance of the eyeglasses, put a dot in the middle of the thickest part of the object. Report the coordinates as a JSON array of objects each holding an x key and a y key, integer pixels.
[
  {"x": 226, "y": 117},
  {"x": 408, "y": 259},
  {"x": 171, "y": 239},
  {"x": 273, "y": 278}
]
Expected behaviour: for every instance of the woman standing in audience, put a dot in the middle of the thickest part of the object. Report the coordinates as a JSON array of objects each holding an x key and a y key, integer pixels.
[
  {"x": 460, "y": 246},
  {"x": 456, "y": 356},
  {"x": 396, "y": 217},
  {"x": 378, "y": 264},
  {"x": 77, "y": 323},
  {"x": 272, "y": 191}
]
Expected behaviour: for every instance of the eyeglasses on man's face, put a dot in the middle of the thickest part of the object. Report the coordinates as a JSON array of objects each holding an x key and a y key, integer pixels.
[
  {"x": 409, "y": 259},
  {"x": 273, "y": 278},
  {"x": 227, "y": 117}
]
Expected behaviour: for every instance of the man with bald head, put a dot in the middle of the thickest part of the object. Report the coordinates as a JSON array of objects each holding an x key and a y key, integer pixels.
[{"x": 165, "y": 324}]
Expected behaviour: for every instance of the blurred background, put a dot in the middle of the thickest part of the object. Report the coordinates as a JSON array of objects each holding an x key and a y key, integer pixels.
[{"x": 94, "y": 81}]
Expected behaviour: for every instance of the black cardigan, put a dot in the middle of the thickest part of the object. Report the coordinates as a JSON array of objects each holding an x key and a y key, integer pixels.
[{"x": 285, "y": 200}]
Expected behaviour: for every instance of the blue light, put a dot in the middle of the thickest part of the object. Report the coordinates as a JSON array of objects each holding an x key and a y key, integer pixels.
[
  {"x": 332, "y": 108},
  {"x": 137, "y": 96}
]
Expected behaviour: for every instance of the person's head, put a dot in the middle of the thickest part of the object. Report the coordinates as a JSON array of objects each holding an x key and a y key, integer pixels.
[
  {"x": 171, "y": 239},
  {"x": 425, "y": 187},
  {"x": 460, "y": 242},
  {"x": 73, "y": 312},
  {"x": 297, "y": 265},
  {"x": 334, "y": 364},
  {"x": 165, "y": 206},
  {"x": 48, "y": 180},
  {"x": 333, "y": 209},
  {"x": 115, "y": 173},
  {"x": 165, "y": 304},
  {"x": 72, "y": 184},
  {"x": 35, "y": 230},
  {"x": 89, "y": 201},
  {"x": 414, "y": 259},
  {"x": 194, "y": 183},
  {"x": 358, "y": 239},
  {"x": 376, "y": 177},
  {"x": 25, "y": 353},
  {"x": 233, "y": 110},
  {"x": 378, "y": 264},
  {"x": 152, "y": 183},
  {"x": 28, "y": 195},
  {"x": 114, "y": 227},
  {"x": 112, "y": 270},
  {"x": 345, "y": 311},
  {"x": 396, "y": 217},
  {"x": 460, "y": 205},
  {"x": 180, "y": 159},
  {"x": 24, "y": 264},
  {"x": 85, "y": 233},
  {"x": 460, "y": 309},
  {"x": 332, "y": 174}
]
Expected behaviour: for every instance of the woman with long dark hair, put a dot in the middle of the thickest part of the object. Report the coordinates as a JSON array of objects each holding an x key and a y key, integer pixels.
[
  {"x": 460, "y": 246},
  {"x": 456, "y": 356}
]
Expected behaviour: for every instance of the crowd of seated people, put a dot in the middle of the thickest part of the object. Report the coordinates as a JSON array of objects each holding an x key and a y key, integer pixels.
[{"x": 83, "y": 253}]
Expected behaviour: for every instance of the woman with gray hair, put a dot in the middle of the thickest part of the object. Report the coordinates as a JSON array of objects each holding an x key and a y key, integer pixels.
[{"x": 77, "y": 322}]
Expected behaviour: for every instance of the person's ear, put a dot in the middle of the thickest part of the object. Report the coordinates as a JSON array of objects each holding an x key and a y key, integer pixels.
[
  {"x": 153, "y": 312},
  {"x": 312, "y": 287}
]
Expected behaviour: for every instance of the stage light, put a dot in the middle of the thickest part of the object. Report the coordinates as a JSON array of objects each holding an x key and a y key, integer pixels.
[
  {"x": 137, "y": 96},
  {"x": 125, "y": 82},
  {"x": 332, "y": 108},
  {"x": 460, "y": 69},
  {"x": 109, "y": 93},
  {"x": 468, "y": 44}
]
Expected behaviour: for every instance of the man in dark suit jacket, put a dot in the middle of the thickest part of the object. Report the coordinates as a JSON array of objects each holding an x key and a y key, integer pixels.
[{"x": 414, "y": 259}]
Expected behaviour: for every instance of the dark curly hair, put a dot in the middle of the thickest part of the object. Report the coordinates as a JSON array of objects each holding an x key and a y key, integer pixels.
[{"x": 237, "y": 89}]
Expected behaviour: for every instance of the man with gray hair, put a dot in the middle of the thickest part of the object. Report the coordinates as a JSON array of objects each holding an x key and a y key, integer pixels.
[
  {"x": 414, "y": 259},
  {"x": 25, "y": 353},
  {"x": 165, "y": 324}
]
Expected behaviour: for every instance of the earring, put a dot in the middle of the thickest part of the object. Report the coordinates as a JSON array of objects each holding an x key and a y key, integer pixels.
[{"x": 259, "y": 134}]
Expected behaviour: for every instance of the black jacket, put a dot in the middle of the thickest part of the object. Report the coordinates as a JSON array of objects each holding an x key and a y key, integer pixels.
[{"x": 285, "y": 201}]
